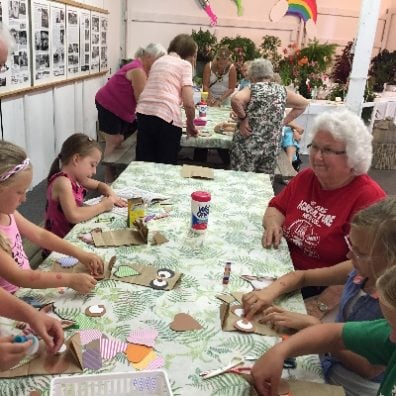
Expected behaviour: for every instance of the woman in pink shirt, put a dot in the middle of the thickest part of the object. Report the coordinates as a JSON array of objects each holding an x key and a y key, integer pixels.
[
  {"x": 116, "y": 101},
  {"x": 168, "y": 86}
]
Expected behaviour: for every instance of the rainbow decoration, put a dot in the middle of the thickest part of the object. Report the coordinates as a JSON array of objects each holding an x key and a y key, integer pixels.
[
  {"x": 305, "y": 9},
  {"x": 206, "y": 6}
]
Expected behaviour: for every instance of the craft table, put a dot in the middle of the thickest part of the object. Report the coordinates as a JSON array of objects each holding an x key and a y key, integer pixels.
[
  {"x": 215, "y": 115},
  {"x": 234, "y": 234}
]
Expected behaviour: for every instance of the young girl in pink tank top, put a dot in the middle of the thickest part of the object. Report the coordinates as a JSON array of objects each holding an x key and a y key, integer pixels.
[
  {"x": 69, "y": 178},
  {"x": 15, "y": 272}
]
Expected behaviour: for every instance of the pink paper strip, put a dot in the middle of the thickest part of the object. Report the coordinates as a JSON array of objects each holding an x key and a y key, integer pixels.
[
  {"x": 87, "y": 336},
  {"x": 110, "y": 348}
]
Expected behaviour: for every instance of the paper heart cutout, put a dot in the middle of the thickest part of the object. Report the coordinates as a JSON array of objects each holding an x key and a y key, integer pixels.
[
  {"x": 95, "y": 310},
  {"x": 184, "y": 322},
  {"x": 92, "y": 359},
  {"x": 67, "y": 262},
  {"x": 159, "y": 362},
  {"x": 124, "y": 271},
  {"x": 143, "y": 337},
  {"x": 109, "y": 348},
  {"x": 136, "y": 353},
  {"x": 144, "y": 363}
]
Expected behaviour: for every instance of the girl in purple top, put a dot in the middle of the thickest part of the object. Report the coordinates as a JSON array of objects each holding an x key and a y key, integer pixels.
[
  {"x": 116, "y": 101},
  {"x": 15, "y": 178}
]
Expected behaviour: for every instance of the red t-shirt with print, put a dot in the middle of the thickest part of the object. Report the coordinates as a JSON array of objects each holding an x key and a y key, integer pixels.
[{"x": 317, "y": 220}]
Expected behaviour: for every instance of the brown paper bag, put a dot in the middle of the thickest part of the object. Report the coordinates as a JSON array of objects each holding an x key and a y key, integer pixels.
[{"x": 45, "y": 364}]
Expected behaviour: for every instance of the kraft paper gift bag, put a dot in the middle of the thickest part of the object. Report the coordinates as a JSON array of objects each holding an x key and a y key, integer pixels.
[{"x": 44, "y": 363}]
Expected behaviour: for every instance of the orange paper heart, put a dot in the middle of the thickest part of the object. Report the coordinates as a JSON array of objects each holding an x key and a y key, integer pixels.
[
  {"x": 136, "y": 353},
  {"x": 184, "y": 322}
]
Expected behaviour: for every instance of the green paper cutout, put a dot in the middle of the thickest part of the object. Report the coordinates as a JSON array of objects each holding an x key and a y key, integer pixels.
[{"x": 123, "y": 271}]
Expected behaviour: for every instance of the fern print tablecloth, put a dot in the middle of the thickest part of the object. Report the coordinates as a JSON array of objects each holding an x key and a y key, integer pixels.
[
  {"x": 215, "y": 115},
  {"x": 234, "y": 234}
]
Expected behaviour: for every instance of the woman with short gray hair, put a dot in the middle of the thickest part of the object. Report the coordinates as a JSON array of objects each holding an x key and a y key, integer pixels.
[
  {"x": 260, "y": 109},
  {"x": 314, "y": 210},
  {"x": 346, "y": 126}
]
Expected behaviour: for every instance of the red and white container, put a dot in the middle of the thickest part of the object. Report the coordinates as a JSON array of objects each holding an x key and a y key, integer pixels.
[{"x": 200, "y": 205}]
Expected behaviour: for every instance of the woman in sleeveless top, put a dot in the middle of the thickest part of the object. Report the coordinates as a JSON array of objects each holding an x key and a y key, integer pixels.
[{"x": 220, "y": 78}]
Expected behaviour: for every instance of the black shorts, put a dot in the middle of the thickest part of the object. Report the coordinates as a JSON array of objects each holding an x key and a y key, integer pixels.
[{"x": 113, "y": 125}]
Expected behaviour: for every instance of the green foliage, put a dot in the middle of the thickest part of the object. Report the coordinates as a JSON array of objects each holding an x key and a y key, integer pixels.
[
  {"x": 369, "y": 96},
  {"x": 338, "y": 90},
  {"x": 243, "y": 49},
  {"x": 383, "y": 69},
  {"x": 206, "y": 43},
  {"x": 322, "y": 54},
  {"x": 269, "y": 50}
]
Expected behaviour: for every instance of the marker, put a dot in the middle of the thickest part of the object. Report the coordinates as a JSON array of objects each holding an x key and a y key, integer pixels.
[{"x": 227, "y": 273}]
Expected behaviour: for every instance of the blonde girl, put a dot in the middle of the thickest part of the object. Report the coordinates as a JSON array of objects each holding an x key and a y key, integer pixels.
[
  {"x": 68, "y": 180},
  {"x": 15, "y": 272},
  {"x": 374, "y": 341}
]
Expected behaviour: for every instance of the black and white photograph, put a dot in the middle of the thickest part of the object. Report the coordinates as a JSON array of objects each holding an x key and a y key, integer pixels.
[
  {"x": 72, "y": 18},
  {"x": 44, "y": 18},
  {"x": 14, "y": 9},
  {"x": 41, "y": 39}
]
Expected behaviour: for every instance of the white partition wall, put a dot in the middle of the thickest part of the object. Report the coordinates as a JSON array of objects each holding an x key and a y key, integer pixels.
[{"x": 160, "y": 21}]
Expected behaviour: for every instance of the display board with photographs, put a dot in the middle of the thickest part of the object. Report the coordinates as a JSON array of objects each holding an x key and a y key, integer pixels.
[
  {"x": 15, "y": 74},
  {"x": 53, "y": 41}
]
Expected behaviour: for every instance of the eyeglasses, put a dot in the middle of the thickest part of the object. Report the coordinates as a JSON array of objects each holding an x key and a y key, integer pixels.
[
  {"x": 4, "y": 68},
  {"x": 325, "y": 151},
  {"x": 352, "y": 250}
]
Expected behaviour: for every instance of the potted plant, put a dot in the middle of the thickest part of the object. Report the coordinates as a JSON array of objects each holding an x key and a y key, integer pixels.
[
  {"x": 243, "y": 49},
  {"x": 269, "y": 50},
  {"x": 383, "y": 70},
  {"x": 206, "y": 42},
  {"x": 304, "y": 67}
]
